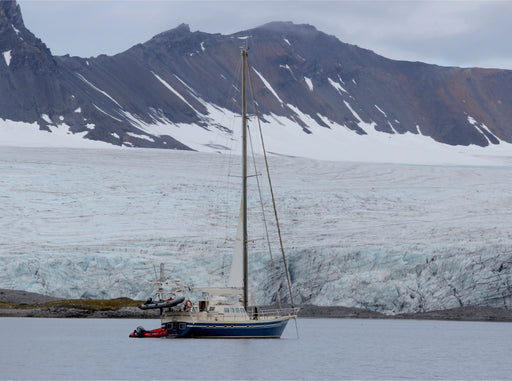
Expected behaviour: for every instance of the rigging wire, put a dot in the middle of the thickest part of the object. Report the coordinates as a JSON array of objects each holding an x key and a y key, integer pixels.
[{"x": 264, "y": 220}]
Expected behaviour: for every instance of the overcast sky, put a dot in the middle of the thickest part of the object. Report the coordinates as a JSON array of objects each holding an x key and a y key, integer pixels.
[{"x": 444, "y": 32}]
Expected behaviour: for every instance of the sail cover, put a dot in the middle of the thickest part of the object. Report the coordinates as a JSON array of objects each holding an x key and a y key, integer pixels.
[{"x": 236, "y": 274}]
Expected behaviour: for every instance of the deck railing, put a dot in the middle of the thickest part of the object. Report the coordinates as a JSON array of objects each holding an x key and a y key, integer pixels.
[
  {"x": 259, "y": 314},
  {"x": 262, "y": 313}
]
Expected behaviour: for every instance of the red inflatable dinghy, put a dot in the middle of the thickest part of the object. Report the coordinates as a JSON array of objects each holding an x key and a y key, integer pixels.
[{"x": 141, "y": 332}]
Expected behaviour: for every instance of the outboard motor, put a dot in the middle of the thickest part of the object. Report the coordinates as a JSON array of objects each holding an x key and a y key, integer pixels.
[{"x": 140, "y": 331}]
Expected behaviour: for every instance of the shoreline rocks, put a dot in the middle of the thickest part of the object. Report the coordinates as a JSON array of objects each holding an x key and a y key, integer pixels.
[{"x": 16, "y": 303}]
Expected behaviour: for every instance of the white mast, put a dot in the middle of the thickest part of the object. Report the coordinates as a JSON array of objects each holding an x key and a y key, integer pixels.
[{"x": 244, "y": 176}]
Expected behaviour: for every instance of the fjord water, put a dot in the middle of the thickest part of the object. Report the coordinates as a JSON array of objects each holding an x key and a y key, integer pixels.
[{"x": 83, "y": 349}]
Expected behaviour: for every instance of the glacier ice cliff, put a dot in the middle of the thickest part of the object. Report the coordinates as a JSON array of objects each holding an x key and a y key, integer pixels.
[{"x": 387, "y": 237}]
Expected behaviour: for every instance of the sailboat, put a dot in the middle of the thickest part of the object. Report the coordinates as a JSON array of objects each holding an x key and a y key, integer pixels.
[{"x": 223, "y": 312}]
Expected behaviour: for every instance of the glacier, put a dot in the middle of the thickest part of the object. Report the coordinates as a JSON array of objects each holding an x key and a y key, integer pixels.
[{"x": 390, "y": 237}]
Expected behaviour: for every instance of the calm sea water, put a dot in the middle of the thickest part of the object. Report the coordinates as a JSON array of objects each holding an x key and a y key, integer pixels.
[{"x": 79, "y": 349}]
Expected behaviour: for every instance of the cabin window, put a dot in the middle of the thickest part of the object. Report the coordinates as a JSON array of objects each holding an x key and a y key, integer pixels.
[
  {"x": 237, "y": 310},
  {"x": 232, "y": 310},
  {"x": 170, "y": 326},
  {"x": 242, "y": 310},
  {"x": 182, "y": 326},
  {"x": 226, "y": 310}
]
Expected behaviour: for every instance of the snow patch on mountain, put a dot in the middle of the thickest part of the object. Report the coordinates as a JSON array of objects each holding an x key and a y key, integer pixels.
[
  {"x": 7, "y": 57},
  {"x": 309, "y": 82},
  {"x": 382, "y": 112},
  {"x": 17, "y": 31},
  {"x": 46, "y": 118},
  {"x": 169, "y": 87},
  {"x": 352, "y": 111},
  {"x": 192, "y": 91},
  {"x": 287, "y": 67},
  {"x": 22, "y": 134},
  {"x": 98, "y": 89},
  {"x": 140, "y": 136},
  {"x": 484, "y": 130},
  {"x": 106, "y": 113},
  {"x": 268, "y": 86},
  {"x": 337, "y": 86},
  {"x": 219, "y": 131}
]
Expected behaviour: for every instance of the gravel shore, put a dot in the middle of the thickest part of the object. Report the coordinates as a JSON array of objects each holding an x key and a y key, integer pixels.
[{"x": 15, "y": 303}]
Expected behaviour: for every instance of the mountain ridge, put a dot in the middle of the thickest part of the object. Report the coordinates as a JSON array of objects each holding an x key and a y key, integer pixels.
[{"x": 149, "y": 94}]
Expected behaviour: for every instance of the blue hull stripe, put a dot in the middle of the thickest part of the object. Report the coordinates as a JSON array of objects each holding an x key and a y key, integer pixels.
[{"x": 230, "y": 330}]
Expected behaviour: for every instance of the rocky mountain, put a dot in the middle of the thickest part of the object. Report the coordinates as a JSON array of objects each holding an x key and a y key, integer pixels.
[{"x": 148, "y": 95}]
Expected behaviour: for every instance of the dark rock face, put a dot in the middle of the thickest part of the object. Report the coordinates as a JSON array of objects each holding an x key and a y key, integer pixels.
[
  {"x": 28, "y": 72},
  {"x": 23, "y": 297},
  {"x": 172, "y": 77}
]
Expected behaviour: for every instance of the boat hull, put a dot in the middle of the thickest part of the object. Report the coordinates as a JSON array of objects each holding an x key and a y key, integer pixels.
[{"x": 242, "y": 330}]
